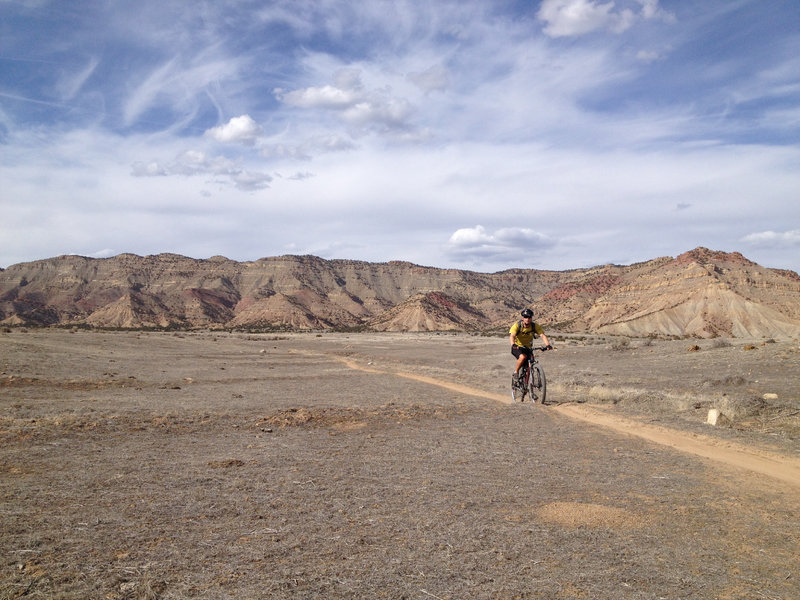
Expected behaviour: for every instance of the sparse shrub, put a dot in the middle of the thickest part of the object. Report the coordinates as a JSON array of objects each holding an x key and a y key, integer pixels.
[
  {"x": 622, "y": 344},
  {"x": 603, "y": 394},
  {"x": 721, "y": 343},
  {"x": 736, "y": 408}
]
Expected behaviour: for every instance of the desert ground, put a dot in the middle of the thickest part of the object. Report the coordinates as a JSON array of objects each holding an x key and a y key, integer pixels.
[{"x": 334, "y": 465}]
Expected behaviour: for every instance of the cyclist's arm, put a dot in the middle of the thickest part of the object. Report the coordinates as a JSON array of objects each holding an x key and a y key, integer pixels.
[
  {"x": 544, "y": 339},
  {"x": 513, "y": 338}
]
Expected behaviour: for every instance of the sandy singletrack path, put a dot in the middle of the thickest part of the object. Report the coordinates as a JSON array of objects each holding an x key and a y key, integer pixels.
[
  {"x": 766, "y": 463},
  {"x": 772, "y": 465}
]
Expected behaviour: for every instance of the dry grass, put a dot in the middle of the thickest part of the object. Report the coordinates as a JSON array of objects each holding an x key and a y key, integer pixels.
[{"x": 226, "y": 472}]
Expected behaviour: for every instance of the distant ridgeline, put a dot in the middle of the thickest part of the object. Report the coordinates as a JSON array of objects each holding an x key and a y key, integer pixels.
[{"x": 700, "y": 293}]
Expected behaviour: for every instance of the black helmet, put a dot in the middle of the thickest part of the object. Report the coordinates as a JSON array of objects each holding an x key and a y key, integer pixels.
[{"x": 527, "y": 313}]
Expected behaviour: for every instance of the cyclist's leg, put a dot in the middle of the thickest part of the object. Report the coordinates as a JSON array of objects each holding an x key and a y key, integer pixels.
[
  {"x": 522, "y": 355},
  {"x": 519, "y": 354}
]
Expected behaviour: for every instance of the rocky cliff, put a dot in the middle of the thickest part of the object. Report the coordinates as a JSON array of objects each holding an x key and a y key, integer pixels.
[{"x": 699, "y": 293}]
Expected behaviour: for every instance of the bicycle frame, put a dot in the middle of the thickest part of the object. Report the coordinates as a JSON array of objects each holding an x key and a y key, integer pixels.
[{"x": 531, "y": 381}]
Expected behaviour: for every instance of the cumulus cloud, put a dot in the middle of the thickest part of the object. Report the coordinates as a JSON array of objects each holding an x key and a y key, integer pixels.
[
  {"x": 476, "y": 243},
  {"x": 389, "y": 112},
  {"x": 239, "y": 130},
  {"x": 565, "y": 18},
  {"x": 773, "y": 238},
  {"x": 248, "y": 180},
  {"x": 360, "y": 108},
  {"x": 346, "y": 91},
  {"x": 326, "y": 96},
  {"x": 195, "y": 162}
]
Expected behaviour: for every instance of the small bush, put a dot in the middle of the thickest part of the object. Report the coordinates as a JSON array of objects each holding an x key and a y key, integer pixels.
[{"x": 620, "y": 345}]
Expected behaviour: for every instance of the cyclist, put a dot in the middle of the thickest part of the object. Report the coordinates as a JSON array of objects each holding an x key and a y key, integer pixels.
[{"x": 521, "y": 336}]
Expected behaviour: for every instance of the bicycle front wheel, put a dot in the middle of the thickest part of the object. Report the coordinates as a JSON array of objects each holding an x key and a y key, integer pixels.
[{"x": 537, "y": 384}]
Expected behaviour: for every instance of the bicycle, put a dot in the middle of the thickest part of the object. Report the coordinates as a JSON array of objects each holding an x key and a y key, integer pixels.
[{"x": 531, "y": 380}]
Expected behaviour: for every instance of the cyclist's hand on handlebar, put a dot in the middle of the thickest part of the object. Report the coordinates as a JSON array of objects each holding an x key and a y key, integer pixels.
[{"x": 548, "y": 347}]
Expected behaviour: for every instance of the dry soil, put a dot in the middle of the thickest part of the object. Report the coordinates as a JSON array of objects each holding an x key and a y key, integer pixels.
[{"x": 232, "y": 465}]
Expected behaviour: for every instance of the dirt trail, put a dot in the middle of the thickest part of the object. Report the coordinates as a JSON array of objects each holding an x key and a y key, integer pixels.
[
  {"x": 772, "y": 465},
  {"x": 766, "y": 463},
  {"x": 462, "y": 389}
]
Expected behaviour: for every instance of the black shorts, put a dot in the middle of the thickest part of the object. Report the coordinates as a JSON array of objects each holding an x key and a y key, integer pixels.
[{"x": 517, "y": 350}]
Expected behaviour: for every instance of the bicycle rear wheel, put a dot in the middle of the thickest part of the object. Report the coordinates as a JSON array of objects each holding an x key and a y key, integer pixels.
[{"x": 537, "y": 384}]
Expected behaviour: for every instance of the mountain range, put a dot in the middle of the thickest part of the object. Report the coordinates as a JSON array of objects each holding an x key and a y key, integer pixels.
[{"x": 701, "y": 293}]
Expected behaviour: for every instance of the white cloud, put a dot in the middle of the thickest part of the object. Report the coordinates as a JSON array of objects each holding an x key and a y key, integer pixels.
[
  {"x": 386, "y": 112},
  {"x": 246, "y": 180},
  {"x": 777, "y": 239},
  {"x": 326, "y": 96},
  {"x": 346, "y": 92},
  {"x": 239, "y": 130},
  {"x": 196, "y": 162},
  {"x": 566, "y": 18},
  {"x": 576, "y": 17},
  {"x": 362, "y": 109},
  {"x": 506, "y": 244}
]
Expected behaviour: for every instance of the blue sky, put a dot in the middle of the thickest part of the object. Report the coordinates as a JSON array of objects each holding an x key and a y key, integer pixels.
[{"x": 472, "y": 134}]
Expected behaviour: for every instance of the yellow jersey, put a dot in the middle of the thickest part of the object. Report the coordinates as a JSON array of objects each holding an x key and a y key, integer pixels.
[{"x": 523, "y": 336}]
